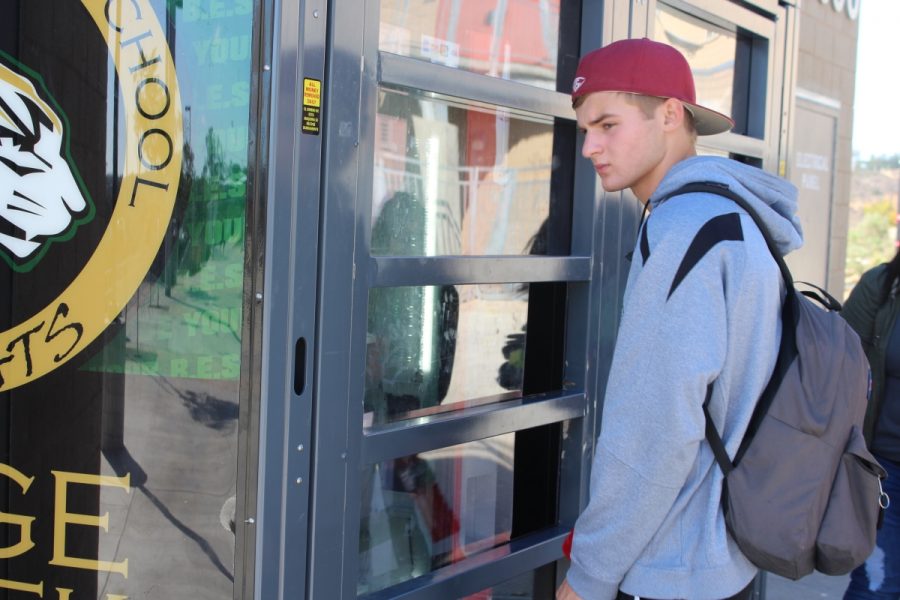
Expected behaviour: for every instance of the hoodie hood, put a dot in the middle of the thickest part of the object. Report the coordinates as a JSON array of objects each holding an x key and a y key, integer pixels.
[{"x": 773, "y": 198}]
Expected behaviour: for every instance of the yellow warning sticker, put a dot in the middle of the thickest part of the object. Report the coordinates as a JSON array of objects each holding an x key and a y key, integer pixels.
[
  {"x": 312, "y": 92},
  {"x": 312, "y": 103}
]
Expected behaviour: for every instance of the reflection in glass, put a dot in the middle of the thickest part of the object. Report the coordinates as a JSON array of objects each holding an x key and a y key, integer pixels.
[
  {"x": 437, "y": 348},
  {"x": 518, "y": 588},
  {"x": 179, "y": 347},
  {"x": 141, "y": 429},
  {"x": 710, "y": 51},
  {"x": 172, "y": 421},
  {"x": 512, "y": 39},
  {"x": 454, "y": 179},
  {"x": 425, "y": 511}
]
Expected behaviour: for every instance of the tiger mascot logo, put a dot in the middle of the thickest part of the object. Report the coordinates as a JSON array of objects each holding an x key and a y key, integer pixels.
[{"x": 39, "y": 195}]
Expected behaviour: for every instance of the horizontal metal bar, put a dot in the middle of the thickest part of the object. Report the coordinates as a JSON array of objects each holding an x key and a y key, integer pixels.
[
  {"x": 387, "y": 271},
  {"x": 483, "y": 570},
  {"x": 412, "y": 436},
  {"x": 735, "y": 143},
  {"x": 421, "y": 75}
]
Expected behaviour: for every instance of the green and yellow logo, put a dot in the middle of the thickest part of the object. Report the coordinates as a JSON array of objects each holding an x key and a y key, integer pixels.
[
  {"x": 43, "y": 200},
  {"x": 42, "y": 197}
]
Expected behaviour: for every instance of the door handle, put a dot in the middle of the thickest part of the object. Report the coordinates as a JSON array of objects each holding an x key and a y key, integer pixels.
[{"x": 299, "y": 366}]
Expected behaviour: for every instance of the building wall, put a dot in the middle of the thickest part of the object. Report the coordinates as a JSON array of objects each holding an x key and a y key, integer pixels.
[{"x": 826, "y": 65}]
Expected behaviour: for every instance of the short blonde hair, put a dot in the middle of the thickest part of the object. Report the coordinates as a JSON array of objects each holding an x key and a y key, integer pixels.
[{"x": 648, "y": 105}]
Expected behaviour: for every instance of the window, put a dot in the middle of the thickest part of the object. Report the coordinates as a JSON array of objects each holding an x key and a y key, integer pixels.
[
  {"x": 510, "y": 39},
  {"x": 428, "y": 510},
  {"x": 436, "y": 348},
  {"x": 729, "y": 65},
  {"x": 458, "y": 179}
]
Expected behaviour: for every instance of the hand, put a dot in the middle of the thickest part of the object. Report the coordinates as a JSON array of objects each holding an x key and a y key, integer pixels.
[{"x": 565, "y": 592}]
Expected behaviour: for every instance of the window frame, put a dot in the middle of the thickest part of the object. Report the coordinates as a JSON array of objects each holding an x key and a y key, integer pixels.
[
  {"x": 334, "y": 564},
  {"x": 756, "y": 94}
]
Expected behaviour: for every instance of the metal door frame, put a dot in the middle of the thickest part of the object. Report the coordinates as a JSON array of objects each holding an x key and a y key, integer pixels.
[{"x": 295, "y": 42}]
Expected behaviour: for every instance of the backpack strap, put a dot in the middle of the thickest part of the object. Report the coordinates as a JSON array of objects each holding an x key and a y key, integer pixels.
[
  {"x": 821, "y": 296},
  {"x": 789, "y": 317},
  {"x": 720, "y": 189},
  {"x": 713, "y": 437}
]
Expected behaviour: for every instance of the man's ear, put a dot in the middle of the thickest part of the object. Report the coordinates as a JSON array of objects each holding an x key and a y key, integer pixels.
[{"x": 673, "y": 114}]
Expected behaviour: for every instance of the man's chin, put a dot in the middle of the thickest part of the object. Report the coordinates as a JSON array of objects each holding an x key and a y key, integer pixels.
[{"x": 611, "y": 186}]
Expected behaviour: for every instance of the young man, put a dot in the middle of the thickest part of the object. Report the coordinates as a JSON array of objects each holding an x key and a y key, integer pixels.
[{"x": 702, "y": 305}]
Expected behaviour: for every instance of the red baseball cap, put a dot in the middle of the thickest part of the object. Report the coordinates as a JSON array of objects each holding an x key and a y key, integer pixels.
[{"x": 642, "y": 66}]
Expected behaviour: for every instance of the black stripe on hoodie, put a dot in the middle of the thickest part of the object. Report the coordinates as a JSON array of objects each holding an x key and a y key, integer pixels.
[{"x": 723, "y": 228}]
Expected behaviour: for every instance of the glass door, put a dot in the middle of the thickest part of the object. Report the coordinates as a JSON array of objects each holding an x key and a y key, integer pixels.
[
  {"x": 125, "y": 187},
  {"x": 455, "y": 284}
]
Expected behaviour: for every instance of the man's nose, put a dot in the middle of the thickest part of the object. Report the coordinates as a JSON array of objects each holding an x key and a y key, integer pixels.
[{"x": 588, "y": 147}]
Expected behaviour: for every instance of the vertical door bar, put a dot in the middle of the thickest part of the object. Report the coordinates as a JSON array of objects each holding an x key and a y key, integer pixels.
[
  {"x": 289, "y": 297},
  {"x": 246, "y": 508},
  {"x": 333, "y": 532}
]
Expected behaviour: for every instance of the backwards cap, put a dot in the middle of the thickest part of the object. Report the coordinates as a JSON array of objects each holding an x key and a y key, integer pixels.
[{"x": 642, "y": 66}]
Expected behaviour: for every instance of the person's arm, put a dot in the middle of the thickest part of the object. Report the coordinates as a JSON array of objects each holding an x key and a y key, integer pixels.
[{"x": 669, "y": 348}]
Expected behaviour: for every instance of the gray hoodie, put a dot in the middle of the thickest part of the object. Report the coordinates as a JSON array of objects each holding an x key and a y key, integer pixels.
[{"x": 702, "y": 304}]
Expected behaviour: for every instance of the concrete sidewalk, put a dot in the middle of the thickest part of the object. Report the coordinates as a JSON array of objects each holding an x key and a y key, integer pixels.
[{"x": 812, "y": 586}]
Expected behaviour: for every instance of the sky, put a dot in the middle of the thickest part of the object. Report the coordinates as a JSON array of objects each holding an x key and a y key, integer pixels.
[{"x": 876, "y": 117}]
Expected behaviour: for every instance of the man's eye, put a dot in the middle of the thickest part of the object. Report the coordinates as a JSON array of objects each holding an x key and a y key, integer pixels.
[{"x": 608, "y": 126}]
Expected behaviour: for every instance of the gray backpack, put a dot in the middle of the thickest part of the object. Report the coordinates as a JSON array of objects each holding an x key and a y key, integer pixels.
[{"x": 803, "y": 492}]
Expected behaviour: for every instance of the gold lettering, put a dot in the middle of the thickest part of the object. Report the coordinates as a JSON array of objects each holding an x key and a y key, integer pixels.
[
  {"x": 63, "y": 517},
  {"x": 64, "y": 594},
  {"x": 25, "y": 542},
  {"x": 31, "y": 588}
]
